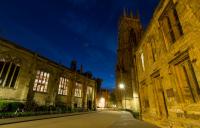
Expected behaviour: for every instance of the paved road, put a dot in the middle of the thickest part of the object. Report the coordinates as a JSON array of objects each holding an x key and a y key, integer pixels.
[{"x": 105, "y": 119}]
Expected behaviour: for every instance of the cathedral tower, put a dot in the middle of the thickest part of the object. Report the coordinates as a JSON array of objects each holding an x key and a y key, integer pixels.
[{"x": 130, "y": 30}]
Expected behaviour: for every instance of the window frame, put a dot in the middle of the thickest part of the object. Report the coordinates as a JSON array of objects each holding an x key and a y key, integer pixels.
[
  {"x": 173, "y": 24},
  {"x": 188, "y": 78},
  {"x": 78, "y": 90},
  {"x": 41, "y": 81},
  {"x": 63, "y": 87},
  {"x": 10, "y": 74}
]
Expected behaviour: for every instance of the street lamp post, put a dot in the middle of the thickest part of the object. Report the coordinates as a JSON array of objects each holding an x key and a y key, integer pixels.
[{"x": 122, "y": 87}]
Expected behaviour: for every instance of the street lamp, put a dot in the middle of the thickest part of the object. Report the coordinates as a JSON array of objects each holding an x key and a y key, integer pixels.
[{"x": 122, "y": 87}]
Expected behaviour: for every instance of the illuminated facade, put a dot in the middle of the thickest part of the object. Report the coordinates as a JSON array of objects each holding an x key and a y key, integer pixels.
[
  {"x": 168, "y": 65},
  {"x": 164, "y": 65},
  {"x": 26, "y": 76}
]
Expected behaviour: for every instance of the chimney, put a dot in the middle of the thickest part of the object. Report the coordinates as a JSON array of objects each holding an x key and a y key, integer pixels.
[
  {"x": 81, "y": 69},
  {"x": 73, "y": 65}
]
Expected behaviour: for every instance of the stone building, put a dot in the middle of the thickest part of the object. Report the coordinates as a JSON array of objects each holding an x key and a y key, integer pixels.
[
  {"x": 168, "y": 65},
  {"x": 26, "y": 76},
  {"x": 129, "y": 35}
]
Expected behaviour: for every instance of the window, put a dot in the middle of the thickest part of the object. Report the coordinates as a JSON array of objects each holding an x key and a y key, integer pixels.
[
  {"x": 170, "y": 23},
  {"x": 41, "y": 81},
  {"x": 154, "y": 49},
  {"x": 89, "y": 90},
  {"x": 78, "y": 90},
  {"x": 187, "y": 81},
  {"x": 8, "y": 73},
  {"x": 142, "y": 61},
  {"x": 63, "y": 86},
  {"x": 132, "y": 38}
]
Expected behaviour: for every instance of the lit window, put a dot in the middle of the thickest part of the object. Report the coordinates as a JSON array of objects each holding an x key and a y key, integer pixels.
[
  {"x": 63, "y": 86},
  {"x": 41, "y": 81},
  {"x": 89, "y": 90},
  {"x": 8, "y": 73},
  {"x": 142, "y": 60},
  {"x": 78, "y": 90}
]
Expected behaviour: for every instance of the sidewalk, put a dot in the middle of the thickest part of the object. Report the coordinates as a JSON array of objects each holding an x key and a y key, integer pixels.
[{"x": 40, "y": 117}]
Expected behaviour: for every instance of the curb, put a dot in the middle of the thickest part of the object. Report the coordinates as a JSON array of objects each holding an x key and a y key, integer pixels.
[{"x": 34, "y": 118}]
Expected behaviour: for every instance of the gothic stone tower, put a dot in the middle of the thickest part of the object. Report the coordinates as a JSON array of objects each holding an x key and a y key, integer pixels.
[{"x": 129, "y": 35}]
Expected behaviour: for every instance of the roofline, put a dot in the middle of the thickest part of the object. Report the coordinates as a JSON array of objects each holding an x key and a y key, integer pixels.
[
  {"x": 39, "y": 55},
  {"x": 149, "y": 24}
]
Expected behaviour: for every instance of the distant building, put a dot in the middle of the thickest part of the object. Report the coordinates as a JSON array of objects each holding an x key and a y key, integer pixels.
[
  {"x": 26, "y": 76},
  {"x": 167, "y": 65},
  {"x": 103, "y": 98}
]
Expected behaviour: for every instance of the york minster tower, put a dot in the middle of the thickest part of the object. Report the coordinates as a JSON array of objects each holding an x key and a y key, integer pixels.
[{"x": 129, "y": 35}]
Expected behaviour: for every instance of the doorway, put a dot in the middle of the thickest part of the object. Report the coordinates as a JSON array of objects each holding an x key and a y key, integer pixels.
[{"x": 160, "y": 96}]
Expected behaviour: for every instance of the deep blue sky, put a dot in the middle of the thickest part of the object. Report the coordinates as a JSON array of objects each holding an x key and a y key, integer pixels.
[{"x": 62, "y": 30}]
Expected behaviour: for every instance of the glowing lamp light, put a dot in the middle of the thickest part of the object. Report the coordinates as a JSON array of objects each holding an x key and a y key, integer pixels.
[
  {"x": 121, "y": 86},
  {"x": 102, "y": 102}
]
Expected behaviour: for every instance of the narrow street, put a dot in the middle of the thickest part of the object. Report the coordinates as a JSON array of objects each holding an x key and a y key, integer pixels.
[{"x": 105, "y": 119}]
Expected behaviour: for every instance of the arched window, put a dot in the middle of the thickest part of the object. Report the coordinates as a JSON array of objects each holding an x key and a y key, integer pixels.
[
  {"x": 9, "y": 70},
  {"x": 132, "y": 38}
]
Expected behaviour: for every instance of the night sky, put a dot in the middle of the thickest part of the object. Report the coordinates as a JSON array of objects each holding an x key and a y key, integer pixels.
[{"x": 62, "y": 30}]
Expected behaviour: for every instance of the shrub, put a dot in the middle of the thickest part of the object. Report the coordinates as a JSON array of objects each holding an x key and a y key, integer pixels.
[
  {"x": 31, "y": 106},
  {"x": 2, "y": 106},
  {"x": 62, "y": 107},
  {"x": 10, "y": 106},
  {"x": 52, "y": 108}
]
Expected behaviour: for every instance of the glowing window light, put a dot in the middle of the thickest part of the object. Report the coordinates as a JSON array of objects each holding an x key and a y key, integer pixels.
[{"x": 142, "y": 59}]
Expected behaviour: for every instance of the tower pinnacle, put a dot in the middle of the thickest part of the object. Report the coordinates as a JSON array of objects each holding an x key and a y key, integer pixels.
[{"x": 124, "y": 14}]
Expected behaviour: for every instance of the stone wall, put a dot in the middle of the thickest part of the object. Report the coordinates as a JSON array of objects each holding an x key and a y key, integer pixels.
[
  {"x": 31, "y": 64},
  {"x": 169, "y": 70}
]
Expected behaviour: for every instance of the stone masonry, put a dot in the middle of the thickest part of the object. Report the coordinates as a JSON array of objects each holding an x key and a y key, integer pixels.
[{"x": 26, "y": 76}]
